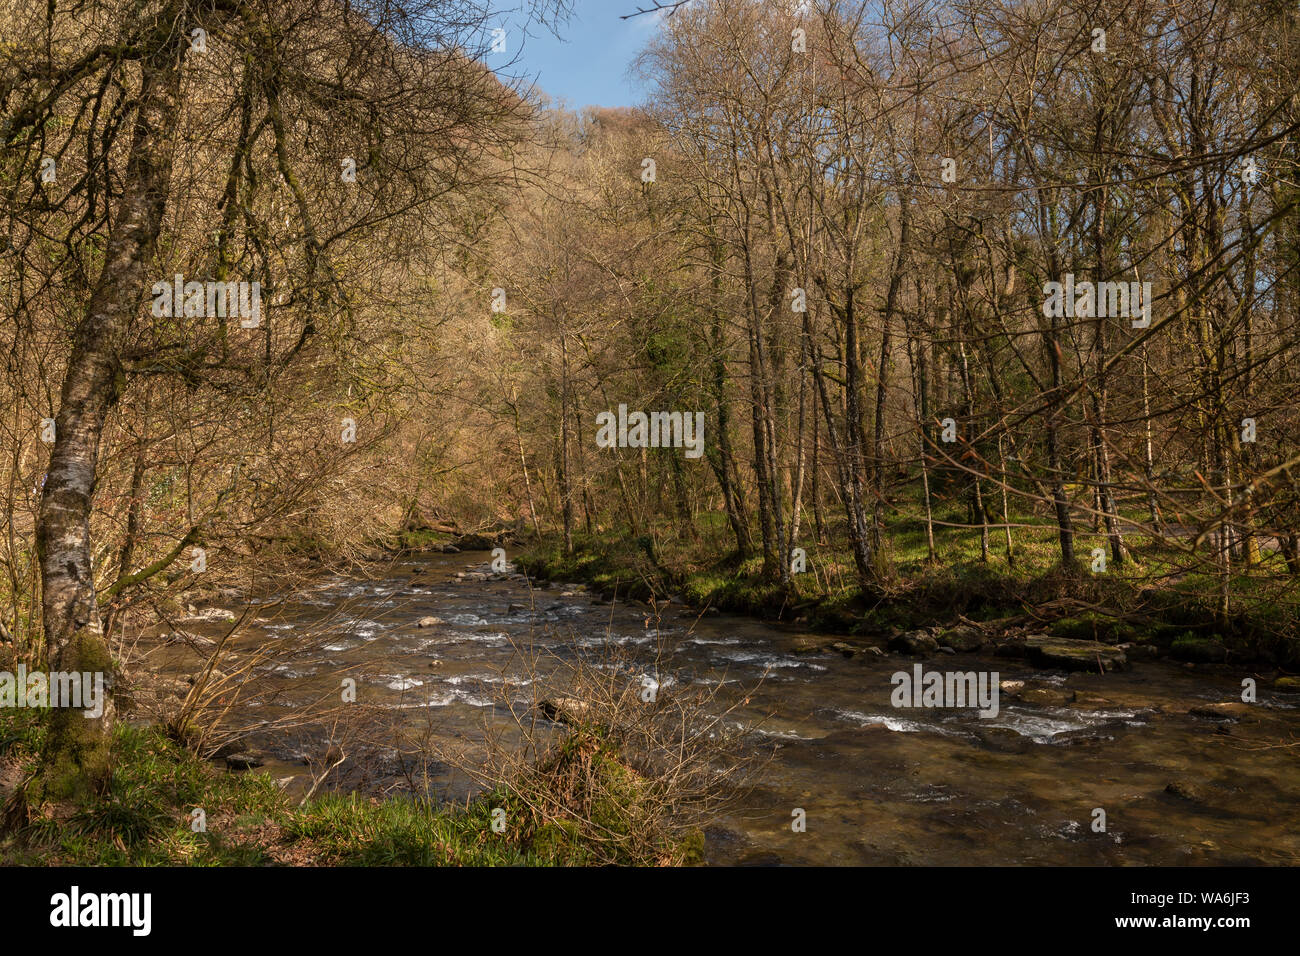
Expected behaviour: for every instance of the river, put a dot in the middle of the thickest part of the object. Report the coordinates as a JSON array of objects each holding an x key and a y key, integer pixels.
[{"x": 878, "y": 785}]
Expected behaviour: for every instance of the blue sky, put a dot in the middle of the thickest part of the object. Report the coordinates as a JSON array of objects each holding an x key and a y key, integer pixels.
[{"x": 587, "y": 64}]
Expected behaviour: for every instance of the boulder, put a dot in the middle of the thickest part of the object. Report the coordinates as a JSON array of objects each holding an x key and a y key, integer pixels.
[
  {"x": 811, "y": 644},
  {"x": 244, "y": 761},
  {"x": 1072, "y": 655},
  {"x": 916, "y": 643},
  {"x": 564, "y": 710},
  {"x": 1229, "y": 710},
  {"x": 963, "y": 638},
  {"x": 429, "y": 622}
]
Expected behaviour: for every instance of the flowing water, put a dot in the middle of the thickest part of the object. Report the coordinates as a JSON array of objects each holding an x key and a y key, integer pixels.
[{"x": 877, "y": 784}]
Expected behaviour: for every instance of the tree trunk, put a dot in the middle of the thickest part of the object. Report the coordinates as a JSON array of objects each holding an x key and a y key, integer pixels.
[{"x": 76, "y": 756}]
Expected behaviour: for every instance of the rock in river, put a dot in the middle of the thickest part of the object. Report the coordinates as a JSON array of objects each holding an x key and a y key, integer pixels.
[
  {"x": 565, "y": 710},
  {"x": 913, "y": 642},
  {"x": 1229, "y": 710},
  {"x": 245, "y": 761},
  {"x": 1073, "y": 655},
  {"x": 962, "y": 638},
  {"x": 811, "y": 644}
]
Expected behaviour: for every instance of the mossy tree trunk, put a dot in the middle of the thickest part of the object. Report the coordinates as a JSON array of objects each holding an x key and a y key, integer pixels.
[{"x": 76, "y": 757}]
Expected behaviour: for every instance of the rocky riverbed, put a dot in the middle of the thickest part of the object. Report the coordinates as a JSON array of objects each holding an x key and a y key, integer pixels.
[{"x": 1166, "y": 755}]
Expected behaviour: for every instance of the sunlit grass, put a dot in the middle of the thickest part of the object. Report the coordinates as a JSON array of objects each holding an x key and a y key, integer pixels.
[{"x": 146, "y": 818}]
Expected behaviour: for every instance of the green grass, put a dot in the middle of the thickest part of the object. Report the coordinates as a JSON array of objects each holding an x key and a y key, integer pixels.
[
  {"x": 350, "y": 830},
  {"x": 611, "y": 827},
  {"x": 145, "y": 818}
]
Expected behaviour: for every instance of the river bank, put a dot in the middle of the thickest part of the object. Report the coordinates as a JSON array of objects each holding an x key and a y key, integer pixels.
[
  {"x": 1000, "y": 609},
  {"x": 168, "y": 807}
]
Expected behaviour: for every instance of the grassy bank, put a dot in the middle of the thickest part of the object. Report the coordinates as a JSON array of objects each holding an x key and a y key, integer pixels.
[
  {"x": 1140, "y": 601},
  {"x": 147, "y": 816}
]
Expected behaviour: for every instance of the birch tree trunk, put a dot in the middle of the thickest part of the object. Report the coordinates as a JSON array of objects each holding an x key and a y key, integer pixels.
[{"x": 76, "y": 758}]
